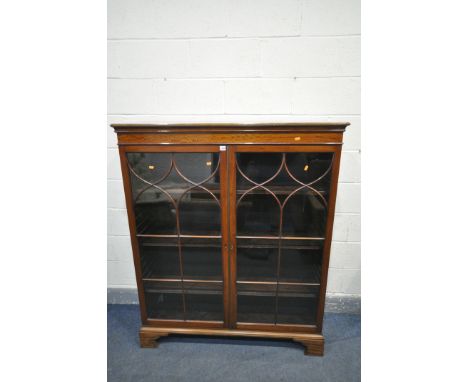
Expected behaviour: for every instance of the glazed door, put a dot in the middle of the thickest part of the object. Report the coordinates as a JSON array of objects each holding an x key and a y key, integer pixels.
[
  {"x": 179, "y": 231},
  {"x": 278, "y": 230}
]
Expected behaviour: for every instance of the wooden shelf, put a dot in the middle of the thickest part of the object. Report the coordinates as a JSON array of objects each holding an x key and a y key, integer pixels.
[{"x": 281, "y": 237}]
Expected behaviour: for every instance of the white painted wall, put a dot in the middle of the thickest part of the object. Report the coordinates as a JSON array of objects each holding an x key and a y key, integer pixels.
[{"x": 239, "y": 61}]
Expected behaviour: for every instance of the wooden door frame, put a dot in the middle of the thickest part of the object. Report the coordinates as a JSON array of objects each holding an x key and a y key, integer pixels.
[
  {"x": 123, "y": 150},
  {"x": 231, "y": 162}
]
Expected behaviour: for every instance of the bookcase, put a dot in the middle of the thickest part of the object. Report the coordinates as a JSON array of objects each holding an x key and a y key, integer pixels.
[{"x": 231, "y": 227}]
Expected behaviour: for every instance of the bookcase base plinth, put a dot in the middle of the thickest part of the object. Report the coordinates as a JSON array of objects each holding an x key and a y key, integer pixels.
[{"x": 313, "y": 343}]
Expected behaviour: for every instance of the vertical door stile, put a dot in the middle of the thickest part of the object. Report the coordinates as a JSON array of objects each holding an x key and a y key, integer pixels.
[
  {"x": 282, "y": 224},
  {"x": 328, "y": 236},
  {"x": 232, "y": 235},
  {"x": 176, "y": 200},
  {"x": 132, "y": 227},
  {"x": 225, "y": 235}
]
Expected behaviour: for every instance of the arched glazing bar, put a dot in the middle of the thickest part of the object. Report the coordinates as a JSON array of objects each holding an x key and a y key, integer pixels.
[
  {"x": 175, "y": 202},
  {"x": 281, "y": 205}
]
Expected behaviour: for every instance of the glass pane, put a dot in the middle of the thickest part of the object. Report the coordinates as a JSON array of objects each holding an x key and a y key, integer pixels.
[
  {"x": 304, "y": 215},
  {"x": 200, "y": 213},
  {"x": 171, "y": 189},
  {"x": 202, "y": 259},
  {"x": 256, "y": 302},
  {"x": 148, "y": 168},
  {"x": 297, "y": 304},
  {"x": 297, "y": 310},
  {"x": 159, "y": 258},
  {"x": 164, "y": 301},
  {"x": 259, "y": 214},
  {"x": 301, "y": 264},
  {"x": 282, "y": 204},
  {"x": 257, "y": 168},
  {"x": 310, "y": 167},
  {"x": 176, "y": 199},
  {"x": 282, "y": 193},
  {"x": 256, "y": 309},
  {"x": 257, "y": 261},
  {"x": 184, "y": 301},
  {"x": 205, "y": 302},
  {"x": 198, "y": 167}
]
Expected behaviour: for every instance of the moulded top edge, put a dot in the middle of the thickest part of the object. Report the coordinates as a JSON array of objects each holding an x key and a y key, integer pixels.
[{"x": 262, "y": 125}]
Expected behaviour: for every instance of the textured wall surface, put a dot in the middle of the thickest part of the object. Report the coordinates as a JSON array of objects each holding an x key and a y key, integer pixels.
[{"x": 239, "y": 61}]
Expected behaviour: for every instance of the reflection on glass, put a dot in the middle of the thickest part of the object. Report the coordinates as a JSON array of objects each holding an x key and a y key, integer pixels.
[
  {"x": 257, "y": 167},
  {"x": 205, "y": 307},
  {"x": 308, "y": 167},
  {"x": 164, "y": 300},
  {"x": 258, "y": 213},
  {"x": 301, "y": 265},
  {"x": 282, "y": 191},
  {"x": 200, "y": 213},
  {"x": 297, "y": 310},
  {"x": 282, "y": 304},
  {"x": 176, "y": 188},
  {"x": 201, "y": 258},
  {"x": 202, "y": 263},
  {"x": 256, "y": 264},
  {"x": 177, "y": 300},
  {"x": 304, "y": 215},
  {"x": 297, "y": 304},
  {"x": 165, "y": 306},
  {"x": 282, "y": 204},
  {"x": 176, "y": 198},
  {"x": 254, "y": 309},
  {"x": 159, "y": 261}
]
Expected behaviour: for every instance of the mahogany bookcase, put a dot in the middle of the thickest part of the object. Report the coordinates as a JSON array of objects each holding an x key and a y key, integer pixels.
[{"x": 231, "y": 227}]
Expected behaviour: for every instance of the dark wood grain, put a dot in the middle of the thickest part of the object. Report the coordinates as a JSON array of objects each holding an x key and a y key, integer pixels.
[
  {"x": 264, "y": 137},
  {"x": 133, "y": 233},
  {"x": 230, "y": 127},
  {"x": 313, "y": 343},
  {"x": 312, "y": 346},
  {"x": 232, "y": 236},
  {"x": 229, "y": 138},
  {"x": 225, "y": 236},
  {"x": 336, "y": 150},
  {"x": 328, "y": 236}
]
